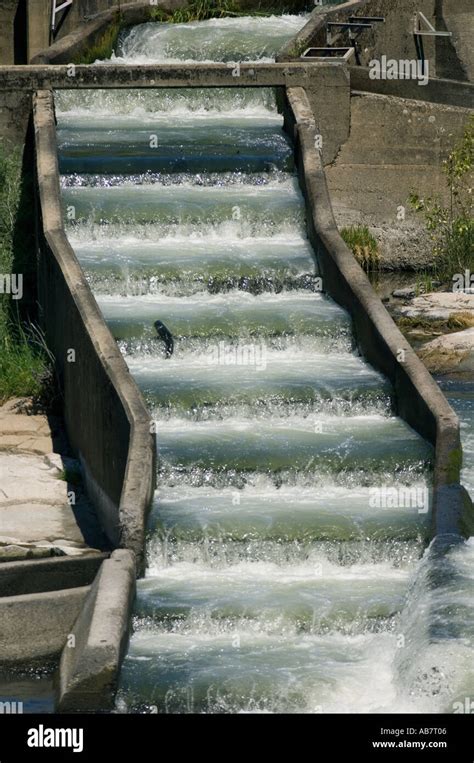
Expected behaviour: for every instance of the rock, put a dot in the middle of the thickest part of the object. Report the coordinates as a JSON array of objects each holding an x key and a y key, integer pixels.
[
  {"x": 407, "y": 293},
  {"x": 15, "y": 405},
  {"x": 13, "y": 424},
  {"x": 438, "y": 305},
  {"x": 451, "y": 352}
]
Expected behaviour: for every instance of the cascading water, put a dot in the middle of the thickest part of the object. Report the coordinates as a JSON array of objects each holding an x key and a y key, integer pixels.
[{"x": 278, "y": 563}]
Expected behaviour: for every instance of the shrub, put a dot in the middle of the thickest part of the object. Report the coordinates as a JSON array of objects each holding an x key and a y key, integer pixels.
[
  {"x": 452, "y": 226},
  {"x": 363, "y": 245}
]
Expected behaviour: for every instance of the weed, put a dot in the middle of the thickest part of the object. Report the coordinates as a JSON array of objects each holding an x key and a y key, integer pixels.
[
  {"x": 452, "y": 226},
  {"x": 363, "y": 245}
]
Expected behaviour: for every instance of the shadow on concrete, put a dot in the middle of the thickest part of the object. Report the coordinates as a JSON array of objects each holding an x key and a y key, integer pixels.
[{"x": 448, "y": 65}]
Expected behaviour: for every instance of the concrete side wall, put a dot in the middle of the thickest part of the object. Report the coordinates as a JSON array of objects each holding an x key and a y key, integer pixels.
[
  {"x": 449, "y": 57},
  {"x": 8, "y": 10},
  {"x": 15, "y": 112},
  {"x": 90, "y": 665},
  {"x": 399, "y": 136},
  {"x": 395, "y": 37},
  {"x": 34, "y": 627},
  {"x": 443, "y": 91},
  {"x": 330, "y": 99},
  {"x": 39, "y": 25},
  {"x": 456, "y": 53},
  {"x": 107, "y": 422},
  {"x": 418, "y": 398},
  {"x": 396, "y": 146}
]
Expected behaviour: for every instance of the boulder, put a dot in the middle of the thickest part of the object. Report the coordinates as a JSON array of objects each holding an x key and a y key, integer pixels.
[
  {"x": 438, "y": 306},
  {"x": 450, "y": 352}
]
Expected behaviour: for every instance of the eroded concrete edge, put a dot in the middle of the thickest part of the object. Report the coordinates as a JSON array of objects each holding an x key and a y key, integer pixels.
[
  {"x": 91, "y": 660},
  {"x": 419, "y": 400}
]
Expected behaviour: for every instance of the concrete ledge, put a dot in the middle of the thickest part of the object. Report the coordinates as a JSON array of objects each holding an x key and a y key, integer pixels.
[
  {"x": 443, "y": 91},
  {"x": 107, "y": 422},
  {"x": 34, "y": 627},
  {"x": 418, "y": 398},
  {"x": 89, "y": 669},
  {"x": 19, "y": 578},
  {"x": 63, "y": 77}
]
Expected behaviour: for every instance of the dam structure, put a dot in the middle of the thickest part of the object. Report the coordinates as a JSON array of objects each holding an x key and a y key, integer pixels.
[{"x": 286, "y": 538}]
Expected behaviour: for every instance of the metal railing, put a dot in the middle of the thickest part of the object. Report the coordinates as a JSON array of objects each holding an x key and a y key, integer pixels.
[
  {"x": 355, "y": 26},
  {"x": 57, "y": 7},
  {"x": 424, "y": 28}
]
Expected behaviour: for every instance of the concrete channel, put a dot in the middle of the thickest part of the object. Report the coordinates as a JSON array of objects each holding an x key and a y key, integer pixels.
[{"x": 107, "y": 420}]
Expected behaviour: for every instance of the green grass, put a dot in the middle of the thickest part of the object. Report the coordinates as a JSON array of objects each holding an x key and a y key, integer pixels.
[
  {"x": 197, "y": 10},
  {"x": 104, "y": 46},
  {"x": 72, "y": 475},
  {"x": 25, "y": 369},
  {"x": 425, "y": 283},
  {"x": 363, "y": 245},
  {"x": 201, "y": 10}
]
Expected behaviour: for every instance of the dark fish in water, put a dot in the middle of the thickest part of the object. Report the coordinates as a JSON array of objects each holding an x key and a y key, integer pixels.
[{"x": 165, "y": 335}]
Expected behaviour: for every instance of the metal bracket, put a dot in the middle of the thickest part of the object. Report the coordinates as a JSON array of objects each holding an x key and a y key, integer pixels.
[
  {"x": 368, "y": 19},
  {"x": 429, "y": 31},
  {"x": 419, "y": 33},
  {"x": 355, "y": 26},
  {"x": 58, "y": 6},
  {"x": 351, "y": 27},
  {"x": 323, "y": 54}
]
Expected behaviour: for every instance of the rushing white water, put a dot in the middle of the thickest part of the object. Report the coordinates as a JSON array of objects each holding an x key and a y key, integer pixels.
[
  {"x": 438, "y": 623},
  {"x": 328, "y": 512},
  {"x": 166, "y": 106},
  {"x": 226, "y": 39},
  {"x": 292, "y": 505}
]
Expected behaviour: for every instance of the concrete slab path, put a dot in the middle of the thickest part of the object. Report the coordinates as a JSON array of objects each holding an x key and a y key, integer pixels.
[{"x": 43, "y": 509}]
